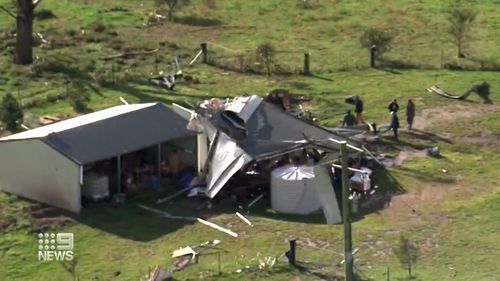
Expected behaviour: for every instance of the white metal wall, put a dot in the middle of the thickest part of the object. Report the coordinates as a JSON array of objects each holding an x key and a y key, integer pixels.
[{"x": 32, "y": 169}]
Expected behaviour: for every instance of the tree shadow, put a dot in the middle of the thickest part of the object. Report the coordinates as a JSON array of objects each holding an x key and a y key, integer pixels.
[
  {"x": 198, "y": 21},
  {"x": 389, "y": 70},
  {"x": 321, "y": 77}
]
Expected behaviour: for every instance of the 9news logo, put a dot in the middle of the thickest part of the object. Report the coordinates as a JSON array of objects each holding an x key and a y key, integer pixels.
[{"x": 55, "y": 246}]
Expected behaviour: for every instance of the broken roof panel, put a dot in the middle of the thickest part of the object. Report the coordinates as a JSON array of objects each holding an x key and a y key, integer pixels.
[{"x": 273, "y": 131}]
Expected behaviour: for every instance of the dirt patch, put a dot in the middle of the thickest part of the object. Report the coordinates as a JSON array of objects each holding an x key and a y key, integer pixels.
[
  {"x": 47, "y": 223},
  {"x": 430, "y": 116},
  {"x": 408, "y": 154}
]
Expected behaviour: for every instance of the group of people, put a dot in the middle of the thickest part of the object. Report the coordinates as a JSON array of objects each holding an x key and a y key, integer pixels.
[{"x": 351, "y": 120}]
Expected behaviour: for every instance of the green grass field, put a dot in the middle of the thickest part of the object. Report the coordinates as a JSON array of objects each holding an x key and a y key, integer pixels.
[{"x": 455, "y": 223}]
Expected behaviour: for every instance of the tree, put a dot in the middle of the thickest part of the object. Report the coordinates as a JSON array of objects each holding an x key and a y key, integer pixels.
[
  {"x": 24, "y": 29},
  {"x": 407, "y": 253},
  {"x": 265, "y": 54},
  {"x": 11, "y": 112},
  {"x": 460, "y": 20},
  {"x": 380, "y": 38},
  {"x": 172, "y": 6}
]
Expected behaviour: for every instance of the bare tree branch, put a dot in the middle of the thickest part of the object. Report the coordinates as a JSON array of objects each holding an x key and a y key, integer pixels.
[{"x": 7, "y": 11}]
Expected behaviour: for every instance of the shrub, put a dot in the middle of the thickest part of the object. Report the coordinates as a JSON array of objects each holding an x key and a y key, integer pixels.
[
  {"x": 460, "y": 20},
  {"x": 11, "y": 112},
  {"x": 265, "y": 54},
  {"x": 380, "y": 38}
]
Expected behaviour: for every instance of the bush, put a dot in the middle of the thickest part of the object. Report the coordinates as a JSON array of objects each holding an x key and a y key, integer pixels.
[
  {"x": 380, "y": 38},
  {"x": 11, "y": 112},
  {"x": 460, "y": 20},
  {"x": 265, "y": 54}
]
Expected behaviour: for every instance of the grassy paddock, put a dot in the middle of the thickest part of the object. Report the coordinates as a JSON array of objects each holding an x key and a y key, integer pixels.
[{"x": 454, "y": 223}]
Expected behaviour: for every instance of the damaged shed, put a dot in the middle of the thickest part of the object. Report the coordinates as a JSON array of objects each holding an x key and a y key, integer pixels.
[{"x": 47, "y": 164}]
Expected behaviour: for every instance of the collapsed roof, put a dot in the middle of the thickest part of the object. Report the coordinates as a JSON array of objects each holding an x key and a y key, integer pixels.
[{"x": 268, "y": 131}]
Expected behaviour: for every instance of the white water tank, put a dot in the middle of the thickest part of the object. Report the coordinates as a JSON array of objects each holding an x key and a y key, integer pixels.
[{"x": 293, "y": 190}]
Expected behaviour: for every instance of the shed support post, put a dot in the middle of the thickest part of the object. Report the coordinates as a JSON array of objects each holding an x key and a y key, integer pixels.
[
  {"x": 159, "y": 164},
  {"x": 202, "y": 150},
  {"x": 119, "y": 173}
]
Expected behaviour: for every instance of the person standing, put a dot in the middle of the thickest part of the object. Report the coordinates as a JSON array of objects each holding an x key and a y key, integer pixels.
[
  {"x": 358, "y": 108},
  {"x": 394, "y": 123},
  {"x": 349, "y": 119},
  {"x": 410, "y": 113},
  {"x": 393, "y": 106}
]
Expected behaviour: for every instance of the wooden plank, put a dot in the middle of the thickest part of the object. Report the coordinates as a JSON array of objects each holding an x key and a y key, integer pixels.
[
  {"x": 243, "y": 218},
  {"x": 220, "y": 228}
]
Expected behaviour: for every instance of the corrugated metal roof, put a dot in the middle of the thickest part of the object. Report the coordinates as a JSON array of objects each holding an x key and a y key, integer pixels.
[
  {"x": 77, "y": 121},
  {"x": 110, "y": 132}
]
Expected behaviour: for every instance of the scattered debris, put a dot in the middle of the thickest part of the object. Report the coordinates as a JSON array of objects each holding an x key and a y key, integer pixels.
[
  {"x": 47, "y": 119},
  {"x": 170, "y": 216},
  {"x": 183, "y": 252},
  {"x": 255, "y": 200},
  {"x": 433, "y": 151},
  {"x": 165, "y": 214},
  {"x": 483, "y": 90},
  {"x": 159, "y": 274},
  {"x": 242, "y": 217},
  {"x": 165, "y": 81},
  {"x": 170, "y": 197},
  {"x": 213, "y": 225},
  {"x": 185, "y": 256}
]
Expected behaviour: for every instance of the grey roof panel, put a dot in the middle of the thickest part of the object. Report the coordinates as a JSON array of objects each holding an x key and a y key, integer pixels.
[{"x": 119, "y": 134}]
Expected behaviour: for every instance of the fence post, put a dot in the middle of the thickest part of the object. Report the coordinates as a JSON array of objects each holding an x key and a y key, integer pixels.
[
  {"x": 204, "y": 50},
  {"x": 373, "y": 53},
  {"x": 306, "y": 71},
  {"x": 290, "y": 254}
]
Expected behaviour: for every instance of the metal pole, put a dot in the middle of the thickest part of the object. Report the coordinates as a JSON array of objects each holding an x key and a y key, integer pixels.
[
  {"x": 159, "y": 164},
  {"x": 119, "y": 173},
  {"x": 349, "y": 274}
]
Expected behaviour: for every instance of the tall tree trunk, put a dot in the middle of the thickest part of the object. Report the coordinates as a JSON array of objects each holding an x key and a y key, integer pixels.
[{"x": 24, "y": 35}]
